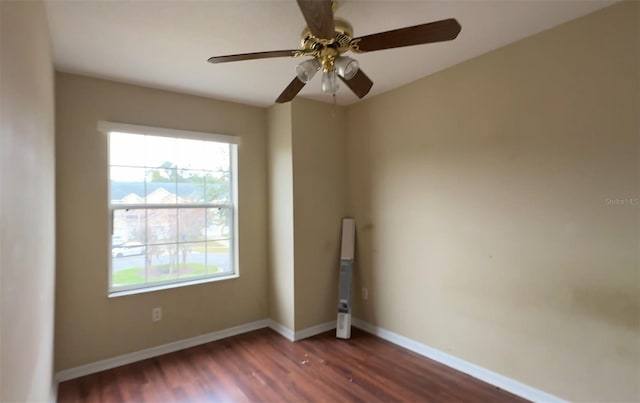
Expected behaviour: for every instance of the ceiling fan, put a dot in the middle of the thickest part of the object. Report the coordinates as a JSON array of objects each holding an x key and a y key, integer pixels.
[{"x": 326, "y": 38}]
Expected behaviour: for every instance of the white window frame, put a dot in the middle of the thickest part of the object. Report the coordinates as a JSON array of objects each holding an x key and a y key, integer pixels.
[{"x": 113, "y": 127}]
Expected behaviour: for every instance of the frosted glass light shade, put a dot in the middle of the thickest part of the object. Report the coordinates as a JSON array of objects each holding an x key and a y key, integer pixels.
[
  {"x": 346, "y": 67},
  {"x": 329, "y": 82},
  {"x": 307, "y": 69}
]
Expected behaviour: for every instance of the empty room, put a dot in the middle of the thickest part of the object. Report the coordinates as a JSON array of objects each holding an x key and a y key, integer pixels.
[{"x": 285, "y": 201}]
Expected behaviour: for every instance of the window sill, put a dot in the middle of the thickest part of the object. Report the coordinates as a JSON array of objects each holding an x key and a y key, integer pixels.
[{"x": 124, "y": 293}]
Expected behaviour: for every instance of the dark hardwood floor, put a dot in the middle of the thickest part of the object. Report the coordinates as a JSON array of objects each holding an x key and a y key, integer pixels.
[{"x": 264, "y": 366}]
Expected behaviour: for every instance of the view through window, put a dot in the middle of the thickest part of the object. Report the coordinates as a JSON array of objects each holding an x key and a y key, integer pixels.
[{"x": 172, "y": 210}]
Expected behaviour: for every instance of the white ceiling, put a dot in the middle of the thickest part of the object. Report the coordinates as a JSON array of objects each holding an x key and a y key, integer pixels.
[{"x": 166, "y": 44}]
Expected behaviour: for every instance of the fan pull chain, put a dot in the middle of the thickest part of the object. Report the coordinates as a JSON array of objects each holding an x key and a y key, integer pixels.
[{"x": 334, "y": 107}]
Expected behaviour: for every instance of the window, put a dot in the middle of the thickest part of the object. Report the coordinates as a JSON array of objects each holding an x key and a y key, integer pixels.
[{"x": 172, "y": 202}]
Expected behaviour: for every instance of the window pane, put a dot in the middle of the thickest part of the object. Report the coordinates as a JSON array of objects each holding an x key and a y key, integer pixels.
[
  {"x": 128, "y": 264},
  {"x": 129, "y": 225},
  {"x": 127, "y": 185},
  {"x": 190, "y": 186},
  {"x": 161, "y": 185},
  {"x": 191, "y": 259},
  {"x": 126, "y": 149},
  {"x": 219, "y": 222},
  {"x": 162, "y": 226},
  {"x": 192, "y": 154},
  {"x": 218, "y": 186},
  {"x": 219, "y": 257},
  {"x": 162, "y": 262},
  {"x": 127, "y": 270},
  {"x": 160, "y": 151},
  {"x": 155, "y": 255},
  {"x": 217, "y": 156},
  {"x": 191, "y": 224}
]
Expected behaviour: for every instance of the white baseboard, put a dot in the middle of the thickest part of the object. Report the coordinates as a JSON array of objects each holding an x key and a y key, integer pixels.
[
  {"x": 461, "y": 365},
  {"x": 281, "y": 329},
  {"x": 302, "y": 334},
  {"x": 314, "y": 330},
  {"x": 124, "y": 359}
]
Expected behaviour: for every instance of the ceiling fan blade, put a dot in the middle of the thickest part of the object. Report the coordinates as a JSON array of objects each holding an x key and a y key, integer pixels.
[
  {"x": 360, "y": 84},
  {"x": 319, "y": 17},
  {"x": 251, "y": 56},
  {"x": 444, "y": 30},
  {"x": 291, "y": 91}
]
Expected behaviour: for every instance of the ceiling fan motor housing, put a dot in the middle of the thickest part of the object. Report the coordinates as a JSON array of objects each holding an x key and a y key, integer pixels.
[{"x": 327, "y": 50}]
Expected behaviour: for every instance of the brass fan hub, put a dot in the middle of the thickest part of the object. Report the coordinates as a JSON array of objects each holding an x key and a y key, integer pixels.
[
  {"x": 342, "y": 28},
  {"x": 327, "y": 50}
]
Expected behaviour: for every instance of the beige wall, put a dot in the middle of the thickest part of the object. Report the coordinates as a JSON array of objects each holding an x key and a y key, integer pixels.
[
  {"x": 27, "y": 217},
  {"x": 281, "y": 292},
  {"x": 320, "y": 186},
  {"x": 307, "y": 187},
  {"x": 480, "y": 194},
  {"x": 90, "y": 326}
]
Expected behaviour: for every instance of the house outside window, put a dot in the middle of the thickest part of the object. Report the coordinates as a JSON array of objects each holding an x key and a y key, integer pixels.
[{"x": 173, "y": 207}]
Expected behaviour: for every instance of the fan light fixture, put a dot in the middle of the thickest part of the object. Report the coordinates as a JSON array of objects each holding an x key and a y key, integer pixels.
[
  {"x": 344, "y": 66},
  {"x": 329, "y": 82},
  {"x": 307, "y": 69}
]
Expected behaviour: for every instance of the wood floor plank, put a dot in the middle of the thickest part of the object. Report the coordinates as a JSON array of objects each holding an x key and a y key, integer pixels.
[{"x": 262, "y": 366}]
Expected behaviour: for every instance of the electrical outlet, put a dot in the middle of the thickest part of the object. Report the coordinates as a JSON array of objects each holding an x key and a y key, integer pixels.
[
  {"x": 156, "y": 314},
  {"x": 365, "y": 293}
]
